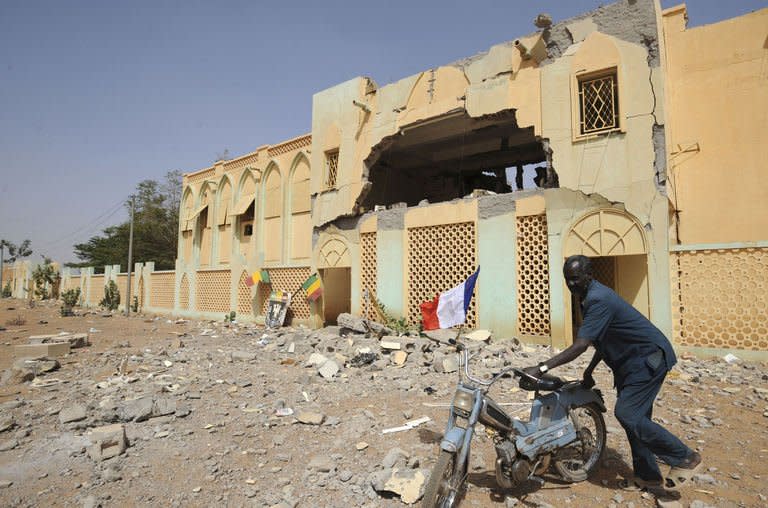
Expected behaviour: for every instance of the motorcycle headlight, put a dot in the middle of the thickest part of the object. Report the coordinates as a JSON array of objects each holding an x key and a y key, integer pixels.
[{"x": 463, "y": 401}]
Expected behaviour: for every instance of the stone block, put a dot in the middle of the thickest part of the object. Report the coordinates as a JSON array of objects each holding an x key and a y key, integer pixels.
[
  {"x": 51, "y": 350},
  {"x": 108, "y": 442},
  {"x": 73, "y": 413},
  {"x": 329, "y": 369},
  {"x": 399, "y": 357},
  {"x": 390, "y": 344},
  {"x": 75, "y": 340}
]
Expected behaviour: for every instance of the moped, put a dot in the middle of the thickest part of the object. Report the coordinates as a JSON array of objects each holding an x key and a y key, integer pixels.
[{"x": 566, "y": 430}]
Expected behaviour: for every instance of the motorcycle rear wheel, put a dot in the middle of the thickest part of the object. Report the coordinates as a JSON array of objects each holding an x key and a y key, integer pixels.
[
  {"x": 577, "y": 461},
  {"x": 445, "y": 483}
]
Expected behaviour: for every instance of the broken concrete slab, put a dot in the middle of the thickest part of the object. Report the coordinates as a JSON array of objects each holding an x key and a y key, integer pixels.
[
  {"x": 441, "y": 335},
  {"x": 108, "y": 441},
  {"x": 406, "y": 483},
  {"x": 361, "y": 325},
  {"x": 479, "y": 335},
  {"x": 390, "y": 344},
  {"x": 75, "y": 340},
  {"x": 242, "y": 356},
  {"x": 73, "y": 414},
  {"x": 164, "y": 406},
  {"x": 137, "y": 410},
  {"x": 316, "y": 360},
  {"x": 310, "y": 417},
  {"x": 50, "y": 350},
  {"x": 7, "y": 422}
]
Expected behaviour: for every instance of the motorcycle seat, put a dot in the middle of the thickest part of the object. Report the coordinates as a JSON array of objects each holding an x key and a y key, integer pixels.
[{"x": 543, "y": 383}]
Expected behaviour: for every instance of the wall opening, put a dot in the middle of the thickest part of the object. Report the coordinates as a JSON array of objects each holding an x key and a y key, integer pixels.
[
  {"x": 449, "y": 157},
  {"x": 337, "y": 292}
]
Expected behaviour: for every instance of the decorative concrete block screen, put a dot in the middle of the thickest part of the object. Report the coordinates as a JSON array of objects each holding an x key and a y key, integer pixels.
[
  {"x": 161, "y": 295},
  {"x": 184, "y": 293},
  {"x": 96, "y": 293},
  {"x": 720, "y": 298},
  {"x": 287, "y": 279},
  {"x": 244, "y": 296},
  {"x": 439, "y": 258},
  {"x": 368, "y": 273},
  {"x": 604, "y": 269},
  {"x": 532, "y": 276},
  {"x": 213, "y": 290}
]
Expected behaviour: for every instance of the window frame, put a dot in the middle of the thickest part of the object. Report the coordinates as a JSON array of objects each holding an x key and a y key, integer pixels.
[
  {"x": 579, "y": 107},
  {"x": 328, "y": 182}
]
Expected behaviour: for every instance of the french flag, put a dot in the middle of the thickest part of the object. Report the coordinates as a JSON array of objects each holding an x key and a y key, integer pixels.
[{"x": 449, "y": 308}]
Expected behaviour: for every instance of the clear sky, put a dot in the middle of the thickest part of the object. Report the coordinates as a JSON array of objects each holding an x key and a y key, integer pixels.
[{"x": 96, "y": 96}]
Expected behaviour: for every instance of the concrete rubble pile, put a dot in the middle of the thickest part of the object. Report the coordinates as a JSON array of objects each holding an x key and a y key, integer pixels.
[{"x": 279, "y": 418}]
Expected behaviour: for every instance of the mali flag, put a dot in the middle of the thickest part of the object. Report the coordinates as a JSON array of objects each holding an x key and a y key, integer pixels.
[
  {"x": 313, "y": 287},
  {"x": 256, "y": 277}
]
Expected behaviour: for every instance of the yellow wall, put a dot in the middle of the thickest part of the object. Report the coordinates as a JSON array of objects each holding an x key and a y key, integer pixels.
[{"x": 717, "y": 108}]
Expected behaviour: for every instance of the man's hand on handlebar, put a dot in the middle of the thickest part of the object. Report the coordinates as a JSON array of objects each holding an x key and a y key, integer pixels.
[
  {"x": 533, "y": 371},
  {"x": 587, "y": 381}
]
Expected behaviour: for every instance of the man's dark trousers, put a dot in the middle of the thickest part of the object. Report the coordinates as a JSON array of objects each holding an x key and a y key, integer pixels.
[{"x": 648, "y": 439}]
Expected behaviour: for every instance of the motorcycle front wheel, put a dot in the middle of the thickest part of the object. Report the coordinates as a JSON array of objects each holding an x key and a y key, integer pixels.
[
  {"x": 445, "y": 483},
  {"x": 575, "y": 462}
]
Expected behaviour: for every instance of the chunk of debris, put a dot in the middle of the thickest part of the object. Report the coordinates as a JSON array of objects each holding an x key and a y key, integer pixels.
[
  {"x": 108, "y": 442},
  {"x": 363, "y": 359}
]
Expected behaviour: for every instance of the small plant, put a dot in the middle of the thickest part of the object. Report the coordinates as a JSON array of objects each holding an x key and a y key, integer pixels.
[
  {"x": 44, "y": 276},
  {"x": 135, "y": 304},
  {"x": 399, "y": 325},
  {"x": 7, "y": 291},
  {"x": 69, "y": 299},
  {"x": 230, "y": 318},
  {"x": 17, "y": 321},
  {"x": 111, "y": 300}
]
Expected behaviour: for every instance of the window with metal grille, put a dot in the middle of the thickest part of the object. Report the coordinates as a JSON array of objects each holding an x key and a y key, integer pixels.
[
  {"x": 331, "y": 168},
  {"x": 598, "y": 103}
]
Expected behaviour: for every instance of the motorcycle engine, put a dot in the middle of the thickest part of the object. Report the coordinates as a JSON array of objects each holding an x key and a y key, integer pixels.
[{"x": 511, "y": 469}]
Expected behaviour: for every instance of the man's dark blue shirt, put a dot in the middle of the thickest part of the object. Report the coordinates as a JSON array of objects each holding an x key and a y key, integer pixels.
[{"x": 626, "y": 339}]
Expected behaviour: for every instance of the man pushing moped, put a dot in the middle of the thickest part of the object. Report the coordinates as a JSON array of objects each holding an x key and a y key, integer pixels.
[{"x": 640, "y": 356}]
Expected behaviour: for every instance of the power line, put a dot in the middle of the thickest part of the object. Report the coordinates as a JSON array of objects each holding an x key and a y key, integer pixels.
[{"x": 98, "y": 221}]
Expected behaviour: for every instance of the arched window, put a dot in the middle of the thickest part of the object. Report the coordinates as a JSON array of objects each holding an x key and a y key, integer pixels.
[
  {"x": 301, "y": 225},
  {"x": 273, "y": 207}
]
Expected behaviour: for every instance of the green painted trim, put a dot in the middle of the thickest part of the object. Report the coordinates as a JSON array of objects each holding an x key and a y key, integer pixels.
[
  {"x": 710, "y": 352},
  {"x": 719, "y": 246},
  {"x": 497, "y": 283},
  {"x": 390, "y": 264}
]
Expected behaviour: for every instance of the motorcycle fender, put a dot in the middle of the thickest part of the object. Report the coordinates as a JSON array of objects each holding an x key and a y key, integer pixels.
[
  {"x": 453, "y": 440},
  {"x": 580, "y": 396}
]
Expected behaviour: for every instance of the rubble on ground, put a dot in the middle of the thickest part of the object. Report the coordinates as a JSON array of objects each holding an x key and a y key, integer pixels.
[{"x": 230, "y": 413}]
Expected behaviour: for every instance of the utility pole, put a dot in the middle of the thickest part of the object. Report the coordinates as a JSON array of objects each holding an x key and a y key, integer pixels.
[
  {"x": 130, "y": 263},
  {"x": 2, "y": 263}
]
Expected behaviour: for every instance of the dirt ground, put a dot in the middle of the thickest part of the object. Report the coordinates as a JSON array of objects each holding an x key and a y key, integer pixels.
[{"x": 225, "y": 443}]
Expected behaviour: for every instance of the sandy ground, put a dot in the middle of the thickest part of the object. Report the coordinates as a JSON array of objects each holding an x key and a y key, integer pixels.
[{"x": 232, "y": 448}]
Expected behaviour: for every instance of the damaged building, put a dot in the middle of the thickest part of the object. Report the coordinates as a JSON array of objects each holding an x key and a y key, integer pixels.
[{"x": 580, "y": 138}]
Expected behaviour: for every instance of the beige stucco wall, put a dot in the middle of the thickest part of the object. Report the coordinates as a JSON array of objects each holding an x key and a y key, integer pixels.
[
  {"x": 356, "y": 115},
  {"x": 274, "y": 182},
  {"x": 716, "y": 129}
]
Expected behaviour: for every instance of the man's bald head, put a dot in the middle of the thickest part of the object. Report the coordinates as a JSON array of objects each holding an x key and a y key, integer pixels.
[{"x": 577, "y": 271}]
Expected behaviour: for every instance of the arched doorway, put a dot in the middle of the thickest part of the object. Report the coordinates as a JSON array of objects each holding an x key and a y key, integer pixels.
[
  {"x": 615, "y": 240},
  {"x": 335, "y": 267}
]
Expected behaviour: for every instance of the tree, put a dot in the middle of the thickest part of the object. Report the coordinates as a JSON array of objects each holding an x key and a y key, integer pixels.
[
  {"x": 155, "y": 229},
  {"x": 15, "y": 251}
]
